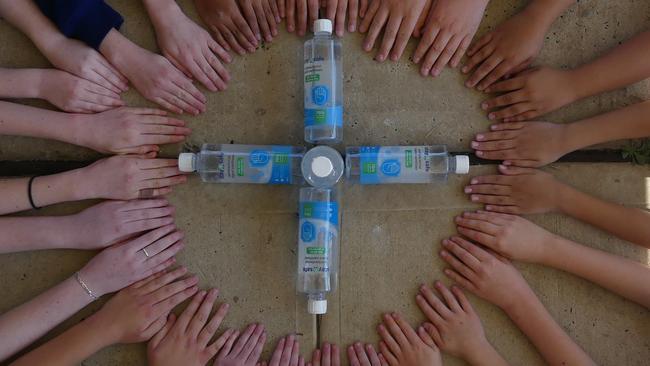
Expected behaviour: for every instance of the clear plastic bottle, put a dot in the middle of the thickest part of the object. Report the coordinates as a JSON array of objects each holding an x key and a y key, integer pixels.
[
  {"x": 402, "y": 164},
  {"x": 322, "y": 167},
  {"x": 318, "y": 246},
  {"x": 323, "y": 78},
  {"x": 230, "y": 163}
]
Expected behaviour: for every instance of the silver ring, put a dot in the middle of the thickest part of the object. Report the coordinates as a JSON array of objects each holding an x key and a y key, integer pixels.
[{"x": 144, "y": 250}]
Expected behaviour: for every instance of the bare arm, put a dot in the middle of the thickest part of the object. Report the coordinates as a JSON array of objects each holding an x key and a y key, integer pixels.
[
  {"x": 20, "y": 83},
  {"x": 36, "y": 233},
  {"x": 46, "y": 190},
  {"x": 21, "y": 120}
]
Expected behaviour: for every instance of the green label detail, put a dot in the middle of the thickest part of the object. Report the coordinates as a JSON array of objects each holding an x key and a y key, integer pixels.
[
  {"x": 281, "y": 158},
  {"x": 316, "y": 250},
  {"x": 312, "y": 78},
  {"x": 321, "y": 116},
  {"x": 240, "y": 167},
  {"x": 409, "y": 158},
  {"x": 308, "y": 210},
  {"x": 370, "y": 168}
]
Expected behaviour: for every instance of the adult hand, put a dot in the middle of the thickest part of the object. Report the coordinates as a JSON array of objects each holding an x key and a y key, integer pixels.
[
  {"x": 262, "y": 17},
  {"x": 402, "y": 346},
  {"x": 448, "y": 32},
  {"x": 368, "y": 356},
  {"x": 227, "y": 24},
  {"x": 287, "y": 353},
  {"x": 129, "y": 130},
  {"x": 130, "y": 177},
  {"x": 299, "y": 14},
  {"x": 122, "y": 264},
  {"x": 186, "y": 340},
  {"x": 244, "y": 349},
  {"x": 138, "y": 312},
  {"x": 73, "y": 94}
]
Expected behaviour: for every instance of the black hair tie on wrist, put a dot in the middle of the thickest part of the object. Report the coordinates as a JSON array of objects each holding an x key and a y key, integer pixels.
[{"x": 29, "y": 193}]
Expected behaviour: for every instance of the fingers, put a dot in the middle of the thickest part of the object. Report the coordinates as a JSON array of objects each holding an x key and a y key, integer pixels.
[
  {"x": 277, "y": 353},
  {"x": 219, "y": 344},
  {"x": 161, "y": 279},
  {"x": 369, "y": 17},
  {"x": 301, "y": 12},
  {"x": 449, "y": 297},
  {"x": 376, "y": 26},
  {"x": 167, "y": 304},
  {"x": 388, "y": 339},
  {"x": 341, "y": 11},
  {"x": 386, "y": 354},
  {"x": 295, "y": 354},
  {"x": 436, "y": 304},
  {"x": 426, "y": 337},
  {"x": 462, "y": 300},
  {"x": 433, "y": 332},
  {"x": 353, "y": 14},
  {"x": 483, "y": 70},
  {"x": 390, "y": 33},
  {"x": 503, "y": 69},
  {"x": 193, "y": 318},
  {"x": 211, "y": 328},
  {"x": 291, "y": 15},
  {"x": 439, "y": 46},
  {"x": 285, "y": 355},
  {"x": 172, "y": 289},
  {"x": 357, "y": 355},
  {"x": 460, "y": 51},
  {"x": 227, "y": 347},
  {"x": 155, "y": 341},
  {"x": 242, "y": 341},
  {"x": 258, "y": 336}
]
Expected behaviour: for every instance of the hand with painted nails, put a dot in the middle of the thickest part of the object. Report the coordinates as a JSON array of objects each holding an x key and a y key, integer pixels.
[
  {"x": 300, "y": 15},
  {"x": 486, "y": 275},
  {"x": 398, "y": 19},
  {"x": 509, "y": 235},
  {"x": 524, "y": 144},
  {"x": 73, "y": 94},
  {"x": 447, "y": 34},
  {"x": 186, "y": 340},
  {"x": 286, "y": 353},
  {"x": 530, "y": 94},
  {"x": 228, "y": 25},
  {"x": 129, "y": 131},
  {"x": 122, "y": 264},
  {"x": 519, "y": 191},
  {"x": 262, "y": 17},
  {"x": 328, "y": 355},
  {"x": 188, "y": 46},
  {"x": 454, "y": 325},
  {"x": 242, "y": 349},
  {"x": 130, "y": 177},
  {"x": 402, "y": 346}
]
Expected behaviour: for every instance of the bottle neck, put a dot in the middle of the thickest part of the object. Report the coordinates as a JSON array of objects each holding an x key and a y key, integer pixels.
[{"x": 322, "y": 35}]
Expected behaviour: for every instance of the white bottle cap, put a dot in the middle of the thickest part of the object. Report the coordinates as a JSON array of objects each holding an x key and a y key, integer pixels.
[
  {"x": 317, "y": 307},
  {"x": 323, "y": 26},
  {"x": 186, "y": 162},
  {"x": 322, "y": 166},
  {"x": 462, "y": 164}
]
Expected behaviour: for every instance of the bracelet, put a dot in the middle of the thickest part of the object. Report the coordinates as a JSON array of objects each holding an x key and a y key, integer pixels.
[
  {"x": 84, "y": 286},
  {"x": 29, "y": 193}
]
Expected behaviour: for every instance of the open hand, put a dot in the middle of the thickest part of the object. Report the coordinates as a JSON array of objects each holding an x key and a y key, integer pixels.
[
  {"x": 74, "y": 94},
  {"x": 327, "y": 355},
  {"x": 402, "y": 346},
  {"x": 228, "y": 25},
  {"x": 262, "y": 17},
  {"x": 243, "y": 349},
  {"x": 368, "y": 356},
  {"x": 287, "y": 353}
]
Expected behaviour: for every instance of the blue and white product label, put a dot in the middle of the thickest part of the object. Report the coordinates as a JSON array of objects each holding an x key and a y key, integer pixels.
[
  {"x": 319, "y": 98},
  {"x": 395, "y": 164},
  {"x": 319, "y": 231},
  {"x": 260, "y": 164}
]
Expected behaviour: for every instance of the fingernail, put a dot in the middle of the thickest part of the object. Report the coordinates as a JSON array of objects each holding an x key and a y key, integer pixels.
[
  {"x": 468, "y": 84},
  {"x": 465, "y": 69},
  {"x": 468, "y": 190},
  {"x": 491, "y": 116},
  {"x": 475, "y": 144},
  {"x": 484, "y": 106},
  {"x": 443, "y": 253},
  {"x": 474, "y": 181},
  {"x": 474, "y": 198},
  {"x": 479, "y": 153},
  {"x": 416, "y": 60},
  {"x": 436, "y": 72},
  {"x": 489, "y": 208},
  {"x": 480, "y": 137}
]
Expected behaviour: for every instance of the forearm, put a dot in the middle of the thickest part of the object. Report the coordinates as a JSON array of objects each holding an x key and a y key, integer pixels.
[
  {"x": 631, "y": 224},
  {"x": 28, "y": 322},
  {"x": 22, "y": 120},
  {"x": 625, "y": 277},
  {"x": 158, "y": 11},
  {"x": 20, "y": 83},
  {"x": 624, "y": 65},
  {"x": 37, "y": 233},
  {"x": 117, "y": 49},
  {"x": 547, "y": 11},
  {"x": 28, "y": 18},
  {"x": 486, "y": 356},
  {"x": 555, "y": 346}
]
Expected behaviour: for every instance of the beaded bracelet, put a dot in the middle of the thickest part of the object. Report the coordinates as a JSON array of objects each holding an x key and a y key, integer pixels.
[{"x": 84, "y": 286}]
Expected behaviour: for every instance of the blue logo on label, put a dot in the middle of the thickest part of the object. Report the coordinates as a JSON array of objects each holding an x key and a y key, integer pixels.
[
  {"x": 391, "y": 168},
  {"x": 320, "y": 94},
  {"x": 259, "y": 158},
  {"x": 307, "y": 232}
]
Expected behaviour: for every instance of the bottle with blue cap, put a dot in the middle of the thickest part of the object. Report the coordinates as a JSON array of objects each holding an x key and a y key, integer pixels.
[
  {"x": 402, "y": 164},
  {"x": 323, "y": 80}
]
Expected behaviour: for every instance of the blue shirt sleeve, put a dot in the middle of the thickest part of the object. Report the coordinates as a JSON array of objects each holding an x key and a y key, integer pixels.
[{"x": 86, "y": 20}]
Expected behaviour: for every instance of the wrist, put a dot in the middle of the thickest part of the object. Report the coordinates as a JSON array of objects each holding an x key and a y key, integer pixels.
[
  {"x": 480, "y": 354},
  {"x": 161, "y": 10},
  {"x": 108, "y": 334},
  {"x": 518, "y": 302},
  {"x": 115, "y": 48}
]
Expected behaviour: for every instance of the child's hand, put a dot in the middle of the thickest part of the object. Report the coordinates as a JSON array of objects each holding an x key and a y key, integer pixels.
[
  {"x": 244, "y": 349},
  {"x": 508, "y": 49},
  {"x": 138, "y": 312},
  {"x": 526, "y": 144},
  {"x": 328, "y": 356},
  {"x": 226, "y": 22},
  {"x": 518, "y": 191},
  {"x": 299, "y": 14},
  {"x": 484, "y": 274},
  {"x": 530, "y": 94},
  {"x": 402, "y": 346},
  {"x": 399, "y": 18},
  {"x": 262, "y": 17},
  {"x": 448, "y": 32},
  {"x": 122, "y": 264},
  {"x": 191, "y": 48},
  {"x": 76, "y": 95},
  {"x": 455, "y": 327},
  {"x": 185, "y": 341},
  {"x": 336, "y": 11},
  {"x": 130, "y": 177},
  {"x": 130, "y": 131},
  {"x": 287, "y": 353},
  {"x": 368, "y": 356},
  {"x": 509, "y": 235},
  {"x": 109, "y": 222}
]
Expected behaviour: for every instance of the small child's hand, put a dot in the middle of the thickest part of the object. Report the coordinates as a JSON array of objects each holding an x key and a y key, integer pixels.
[
  {"x": 138, "y": 312},
  {"x": 402, "y": 346},
  {"x": 399, "y": 18},
  {"x": 455, "y": 327},
  {"x": 244, "y": 349},
  {"x": 368, "y": 356},
  {"x": 110, "y": 222},
  {"x": 130, "y": 177},
  {"x": 287, "y": 353},
  {"x": 518, "y": 191},
  {"x": 530, "y": 94},
  {"x": 186, "y": 340},
  {"x": 484, "y": 274},
  {"x": 227, "y": 24},
  {"x": 506, "y": 50},
  {"x": 122, "y": 264},
  {"x": 73, "y": 94},
  {"x": 328, "y": 355},
  {"x": 262, "y": 16},
  {"x": 525, "y": 144},
  {"x": 448, "y": 32},
  {"x": 130, "y": 131}
]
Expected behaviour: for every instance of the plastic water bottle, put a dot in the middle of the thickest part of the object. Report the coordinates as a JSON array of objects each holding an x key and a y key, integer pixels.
[
  {"x": 402, "y": 164},
  {"x": 322, "y": 167},
  {"x": 318, "y": 246},
  {"x": 323, "y": 75},
  {"x": 229, "y": 163}
]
